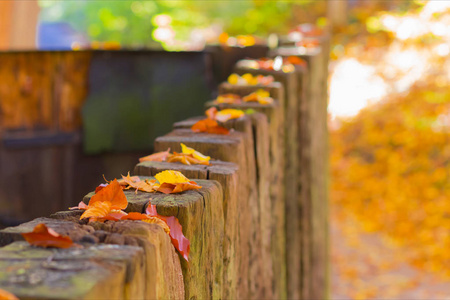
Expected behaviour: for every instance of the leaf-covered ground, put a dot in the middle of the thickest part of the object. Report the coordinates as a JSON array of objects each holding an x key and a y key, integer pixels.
[{"x": 390, "y": 161}]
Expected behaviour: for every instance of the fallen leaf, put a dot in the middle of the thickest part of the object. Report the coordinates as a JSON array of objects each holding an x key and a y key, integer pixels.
[
  {"x": 187, "y": 159},
  {"x": 229, "y": 98},
  {"x": 170, "y": 176},
  {"x": 211, "y": 113},
  {"x": 100, "y": 187},
  {"x": 209, "y": 126},
  {"x": 260, "y": 96},
  {"x": 112, "y": 193},
  {"x": 187, "y": 150},
  {"x": 180, "y": 242},
  {"x": 96, "y": 210},
  {"x": 170, "y": 188},
  {"x": 159, "y": 156},
  {"x": 295, "y": 60},
  {"x": 158, "y": 221},
  {"x": 42, "y": 236},
  {"x": 134, "y": 216},
  {"x": 229, "y": 114},
  {"x": 5, "y": 295},
  {"x": 138, "y": 184},
  {"x": 81, "y": 205}
]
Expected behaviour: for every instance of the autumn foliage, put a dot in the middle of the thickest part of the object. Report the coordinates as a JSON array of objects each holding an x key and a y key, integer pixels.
[{"x": 390, "y": 169}]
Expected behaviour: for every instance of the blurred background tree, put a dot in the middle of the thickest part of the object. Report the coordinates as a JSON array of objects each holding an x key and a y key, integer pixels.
[{"x": 135, "y": 24}]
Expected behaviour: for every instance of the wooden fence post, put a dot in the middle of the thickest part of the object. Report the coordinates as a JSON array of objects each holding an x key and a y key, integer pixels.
[
  {"x": 200, "y": 213},
  {"x": 227, "y": 175},
  {"x": 313, "y": 134},
  {"x": 275, "y": 116}
]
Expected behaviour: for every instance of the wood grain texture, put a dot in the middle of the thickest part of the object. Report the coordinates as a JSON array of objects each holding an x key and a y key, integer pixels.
[
  {"x": 163, "y": 276},
  {"x": 200, "y": 213},
  {"x": 254, "y": 128},
  {"x": 314, "y": 172},
  {"x": 226, "y": 174},
  {"x": 90, "y": 272},
  {"x": 275, "y": 116},
  {"x": 292, "y": 160},
  {"x": 230, "y": 148}
]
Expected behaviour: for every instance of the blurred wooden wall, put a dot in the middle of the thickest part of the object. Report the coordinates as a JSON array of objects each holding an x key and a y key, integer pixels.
[{"x": 18, "y": 23}]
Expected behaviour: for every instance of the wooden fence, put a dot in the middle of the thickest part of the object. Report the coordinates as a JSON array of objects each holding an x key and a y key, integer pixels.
[{"x": 258, "y": 227}]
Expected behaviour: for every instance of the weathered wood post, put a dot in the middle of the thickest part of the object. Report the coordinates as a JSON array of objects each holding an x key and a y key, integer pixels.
[
  {"x": 227, "y": 175},
  {"x": 160, "y": 265},
  {"x": 91, "y": 272},
  {"x": 200, "y": 213},
  {"x": 292, "y": 161},
  {"x": 237, "y": 148},
  {"x": 256, "y": 139},
  {"x": 275, "y": 116},
  {"x": 313, "y": 135}
]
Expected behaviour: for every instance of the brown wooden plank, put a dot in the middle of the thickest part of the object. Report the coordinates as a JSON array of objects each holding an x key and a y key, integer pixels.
[
  {"x": 226, "y": 174},
  {"x": 89, "y": 272}
]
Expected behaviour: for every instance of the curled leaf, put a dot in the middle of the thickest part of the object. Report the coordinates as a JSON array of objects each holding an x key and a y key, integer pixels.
[
  {"x": 228, "y": 114},
  {"x": 138, "y": 184},
  {"x": 134, "y": 216},
  {"x": 187, "y": 150},
  {"x": 179, "y": 241},
  {"x": 157, "y": 221},
  {"x": 96, "y": 210},
  {"x": 159, "y": 156},
  {"x": 179, "y": 157},
  {"x": 42, "y": 236},
  {"x": 187, "y": 159},
  {"x": 169, "y": 188},
  {"x": 81, "y": 205},
  {"x": 113, "y": 193}
]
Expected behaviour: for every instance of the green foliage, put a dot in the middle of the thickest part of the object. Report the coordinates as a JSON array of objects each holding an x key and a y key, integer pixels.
[{"x": 130, "y": 22}]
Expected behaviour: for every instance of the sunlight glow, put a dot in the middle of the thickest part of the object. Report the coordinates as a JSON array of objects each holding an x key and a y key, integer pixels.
[{"x": 353, "y": 86}]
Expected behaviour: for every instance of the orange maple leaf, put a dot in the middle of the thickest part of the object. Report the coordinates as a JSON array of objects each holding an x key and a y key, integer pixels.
[{"x": 42, "y": 236}]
